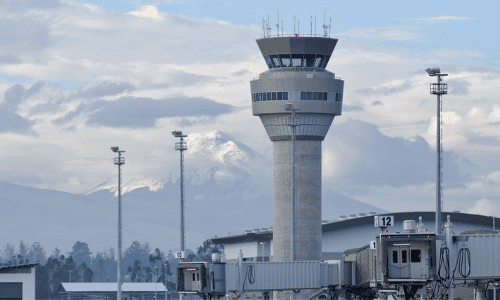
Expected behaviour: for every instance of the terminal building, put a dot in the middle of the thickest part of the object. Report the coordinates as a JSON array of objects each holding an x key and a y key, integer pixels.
[
  {"x": 17, "y": 282},
  {"x": 108, "y": 290},
  {"x": 347, "y": 233}
]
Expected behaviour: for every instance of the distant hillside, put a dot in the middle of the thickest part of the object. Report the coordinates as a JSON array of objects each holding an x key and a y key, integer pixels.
[{"x": 228, "y": 189}]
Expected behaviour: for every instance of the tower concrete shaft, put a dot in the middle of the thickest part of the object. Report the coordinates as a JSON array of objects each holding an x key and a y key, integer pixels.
[{"x": 297, "y": 77}]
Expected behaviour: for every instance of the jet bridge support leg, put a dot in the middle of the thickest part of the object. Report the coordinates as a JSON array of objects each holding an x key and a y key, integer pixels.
[{"x": 479, "y": 291}]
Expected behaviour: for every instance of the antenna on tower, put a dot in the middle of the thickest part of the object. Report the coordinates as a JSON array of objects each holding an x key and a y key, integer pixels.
[
  {"x": 298, "y": 27},
  {"x": 311, "y": 25},
  {"x": 329, "y": 27},
  {"x": 282, "y": 28},
  {"x": 278, "y": 25},
  {"x": 264, "y": 27},
  {"x": 268, "y": 29},
  {"x": 294, "y": 21},
  {"x": 326, "y": 27},
  {"x": 314, "y": 25}
]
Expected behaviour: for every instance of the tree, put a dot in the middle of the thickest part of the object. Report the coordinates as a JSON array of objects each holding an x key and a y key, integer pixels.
[
  {"x": 101, "y": 271},
  {"x": 70, "y": 265},
  {"x": 84, "y": 272},
  {"x": 81, "y": 253},
  {"x": 136, "y": 272},
  {"x": 36, "y": 253},
  {"x": 9, "y": 256},
  {"x": 205, "y": 251},
  {"x": 23, "y": 253}
]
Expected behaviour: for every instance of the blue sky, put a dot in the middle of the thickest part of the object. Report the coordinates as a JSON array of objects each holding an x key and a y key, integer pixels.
[
  {"x": 68, "y": 67},
  {"x": 420, "y": 17}
]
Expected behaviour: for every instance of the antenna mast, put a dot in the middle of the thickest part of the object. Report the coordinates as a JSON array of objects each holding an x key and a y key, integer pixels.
[
  {"x": 326, "y": 27},
  {"x": 278, "y": 24},
  {"x": 264, "y": 27}
]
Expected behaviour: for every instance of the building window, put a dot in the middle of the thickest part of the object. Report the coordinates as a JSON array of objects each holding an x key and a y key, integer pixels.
[
  {"x": 318, "y": 61},
  {"x": 394, "y": 257},
  {"x": 280, "y": 95},
  {"x": 297, "y": 60},
  {"x": 268, "y": 61},
  {"x": 415, "y": 256},
  {"x": 274, "y": 95},
  {"x": 404, "y": 258},
  {"x": 309, "y": 95},
  {"x": 285, "y": 60},
  {"x": 285, "y": 95},
  {"x": 276, "y": 61},
  {"x": 338, "y": 97}
]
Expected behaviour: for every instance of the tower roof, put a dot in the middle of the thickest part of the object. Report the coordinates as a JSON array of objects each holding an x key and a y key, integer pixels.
[{"x": 297, "y": 45}]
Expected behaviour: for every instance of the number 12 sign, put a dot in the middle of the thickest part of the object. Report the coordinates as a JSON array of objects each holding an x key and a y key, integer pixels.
[{"x": 384, "y": 221}]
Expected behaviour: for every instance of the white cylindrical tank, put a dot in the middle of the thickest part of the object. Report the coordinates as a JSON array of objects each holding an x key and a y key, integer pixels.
[{"x": 409, "y": 226}]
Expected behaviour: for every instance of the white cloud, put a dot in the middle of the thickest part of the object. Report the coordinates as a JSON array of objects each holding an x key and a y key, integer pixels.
[
  {"x": 440, "y": 19},
  {"x": 148, "y": 12},
  {"x": 91, "y": 7},
  {"x": 456, "y": 54},
  {"x": 483, "y": 207},
  {"x": 398, "y": 33}
]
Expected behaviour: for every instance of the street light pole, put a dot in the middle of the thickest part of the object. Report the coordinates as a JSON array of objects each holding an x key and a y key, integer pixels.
[
  {"x": 119, "y": 161},
  {"x": 181, "y": 146},
  {"x": 166, "y": 288},
  {"x": 292, "y": 123},
  {"x": 438, "y": 89}
]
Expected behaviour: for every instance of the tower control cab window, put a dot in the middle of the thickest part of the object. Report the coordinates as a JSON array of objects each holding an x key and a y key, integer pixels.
[
  {"x": 415, "y": 255},
  {"x": 318, "y": 61}
]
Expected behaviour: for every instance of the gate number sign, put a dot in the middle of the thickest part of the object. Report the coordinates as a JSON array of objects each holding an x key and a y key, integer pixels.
[{"x": 384, "y": 221}]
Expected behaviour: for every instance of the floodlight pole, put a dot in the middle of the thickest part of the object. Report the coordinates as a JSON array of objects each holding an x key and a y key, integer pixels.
[
  {"x": 119, "y": 161},
  {"x": 181, "y": 146},
  {"x": 438, "y": 89},
  {"x": 292, "y": 123},
  {"x": 166, "y": 288}
]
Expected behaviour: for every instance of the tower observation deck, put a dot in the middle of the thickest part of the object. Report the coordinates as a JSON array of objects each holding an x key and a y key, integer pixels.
[{"x": 297, "y": 75}]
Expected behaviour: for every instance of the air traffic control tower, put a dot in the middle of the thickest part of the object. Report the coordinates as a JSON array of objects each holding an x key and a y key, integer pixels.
[{"x": 297, "y": 75}]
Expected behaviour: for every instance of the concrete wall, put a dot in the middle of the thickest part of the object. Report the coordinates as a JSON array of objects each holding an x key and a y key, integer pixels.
[
  {"x": 27, "y": 279},
  {"x": 307, "y": 202},
  {"x": 232, "y": 251},
  {"x": 359, "y": 236}
]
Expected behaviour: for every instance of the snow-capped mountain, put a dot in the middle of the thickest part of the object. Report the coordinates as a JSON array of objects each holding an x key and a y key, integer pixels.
[{"x": 228, "y": 188}]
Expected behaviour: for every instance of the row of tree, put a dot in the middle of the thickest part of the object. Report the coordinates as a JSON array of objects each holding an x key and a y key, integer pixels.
[{"x": 80, "y": 265}]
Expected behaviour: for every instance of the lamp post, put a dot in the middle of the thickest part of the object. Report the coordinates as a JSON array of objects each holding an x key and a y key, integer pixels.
[
  {"x": 262, "y": 250},
  {"x": 438, "y": 89},
  {"x": 156, "y": 279},
  {"x": 166, "y": 288},
  {"x": 119, "y": 161},
  {"x": 292, "y": 122},
  {"x": 181, "y": 146}
]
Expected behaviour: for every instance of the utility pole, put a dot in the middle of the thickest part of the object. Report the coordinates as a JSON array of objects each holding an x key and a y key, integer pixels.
[
  {"x": 181, "y": 146},
  {"x": 292, "y": 123},
  {"x": 119, "y": 161},
  {"x": 438, "y": 89}
]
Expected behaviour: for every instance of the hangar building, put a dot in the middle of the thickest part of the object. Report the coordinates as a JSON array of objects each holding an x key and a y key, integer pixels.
[
  {"x": 346, "y": 233},
  {"x": 17, "y": 282},
  {"x": 107, "y": 290}
]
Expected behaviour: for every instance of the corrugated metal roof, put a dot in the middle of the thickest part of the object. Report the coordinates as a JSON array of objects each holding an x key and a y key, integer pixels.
[
  {"x": 112, "y": 287},
  {"x": 19, "y": 266},
  {"x": 358, "y": 221}
]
